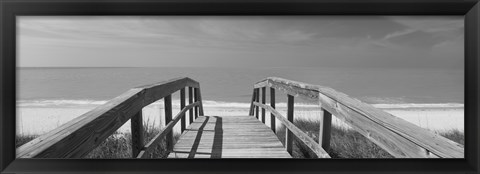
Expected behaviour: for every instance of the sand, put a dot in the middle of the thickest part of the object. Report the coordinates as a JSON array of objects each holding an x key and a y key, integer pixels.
[{"x": 39, "y": 120}]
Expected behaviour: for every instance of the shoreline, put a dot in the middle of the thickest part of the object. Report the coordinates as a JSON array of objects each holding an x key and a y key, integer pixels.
[{"x": 31, "y": 120}]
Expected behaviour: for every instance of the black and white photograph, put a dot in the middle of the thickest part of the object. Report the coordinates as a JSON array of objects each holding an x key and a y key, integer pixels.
[{"x": 155, "y": 87}]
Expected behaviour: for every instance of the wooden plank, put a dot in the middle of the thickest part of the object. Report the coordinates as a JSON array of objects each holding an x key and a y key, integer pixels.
[
  {"x": 325, "y": 129},
  {"x": 289, "y": 134},
  {"x": 195, "y": 98},
  {"x": 297, "y": 89},
  {"x": 257, "y": 99},
  {"x": 164, "y": 131},
  {"x": 168, "y": 118},
  {"x": 400, "y": 138},
  {"x": 302, "y": 136},
  {"x": 185, "y": 80},
  {"x": 272, "y": 104},
  {"x": 251, "y": 104},
  {"x": 160, "y": 90},
  {"x": 200, "y": 107},
  {"x": 190, "y": 101},
  {"x": 182, "y": 105},
  {"x": 78, "y": 137},
  {"x": 228, "y": 137},
  {"x": 264, "y": 90},
  {"x": 136, "y": 125}
]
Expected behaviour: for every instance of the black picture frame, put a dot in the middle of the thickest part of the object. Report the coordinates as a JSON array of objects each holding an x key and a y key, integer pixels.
[{"x": 11, "y": 8}]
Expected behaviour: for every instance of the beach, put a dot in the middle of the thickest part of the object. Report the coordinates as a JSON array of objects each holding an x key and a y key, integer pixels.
[
  {"x": 38, "y": 118},
  {"x": 50, "y": 97}
]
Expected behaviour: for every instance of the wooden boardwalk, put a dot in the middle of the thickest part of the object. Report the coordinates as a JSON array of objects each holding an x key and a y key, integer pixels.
[
  {"x": 237, "y": 136},
  {"x": 228, "y": 137}
]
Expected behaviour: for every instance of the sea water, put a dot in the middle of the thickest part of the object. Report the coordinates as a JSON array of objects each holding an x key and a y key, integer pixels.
[{"x": 50, "y": 97}]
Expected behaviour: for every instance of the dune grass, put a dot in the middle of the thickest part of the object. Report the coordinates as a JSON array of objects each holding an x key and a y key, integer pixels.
[
  {"x": 346, "y": 143},
  {"x": 118, "y": 145}
]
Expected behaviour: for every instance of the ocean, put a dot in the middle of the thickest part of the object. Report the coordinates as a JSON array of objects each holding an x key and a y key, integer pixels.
[
  {"x": 61, "y": 94},
  {"x": 236, "y": 84}
]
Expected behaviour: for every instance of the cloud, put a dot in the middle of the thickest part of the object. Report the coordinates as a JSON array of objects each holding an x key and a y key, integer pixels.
[
  {"x": 333, "y": 38},
  {"x": 426, "y": 31},
  {"x": 399, "y": 33},
  {"x": 430, "y": 23}
]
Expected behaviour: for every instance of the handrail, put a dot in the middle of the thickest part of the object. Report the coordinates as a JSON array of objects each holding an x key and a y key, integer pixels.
[
  {"x": 307, "y": 140},
  {"x": 78, "y": 137},
  {"x": 398, "y": 137},
  {"x": 155, "y": 140}
]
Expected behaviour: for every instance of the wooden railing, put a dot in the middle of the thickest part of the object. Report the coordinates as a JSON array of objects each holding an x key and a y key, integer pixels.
[
  {"x": 78, "y": 137},
  {"x": 398, "y": 137}
]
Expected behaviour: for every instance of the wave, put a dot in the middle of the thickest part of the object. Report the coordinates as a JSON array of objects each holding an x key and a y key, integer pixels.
[{"x": 222, "y": 104}]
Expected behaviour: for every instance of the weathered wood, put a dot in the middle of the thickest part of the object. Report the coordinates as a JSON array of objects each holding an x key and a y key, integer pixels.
[
  {"x": 325, "y": 129},
  {"x": 136, "y": 125},
  {"x": 164, "y": 131},
  {"x": 272, "y": 104},
  {"x": 293, "y": 88},
  {"x": 168, "y": 118},
  {"x": 195, "y": 98},
  {"x": 400, "y": 138},
  {"x": 302, "y": 136},
  {"x": 200, "y": 107},
  {"x": 182, "y": 105},
  {"x": 264, "y": 91},
  {"x": 228, "y": 137},
  {"x": 190, "y": 101},
  {"x": 257, "y": 99},
  {"x": 78, "y": 137},
  {"x": 160, "y": 90},
  {"x": 289, "y": 135},
  {"x": 251, "y": 104}
]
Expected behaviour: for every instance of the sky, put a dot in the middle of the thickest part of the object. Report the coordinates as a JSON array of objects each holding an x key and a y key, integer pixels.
[{"x": 248, "y": 41}]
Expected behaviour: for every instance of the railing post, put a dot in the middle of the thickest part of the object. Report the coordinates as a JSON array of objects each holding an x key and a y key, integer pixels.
[
  {"x": 136, "y": 125},
  {"x": 182, "y": 105},
  {"x": 251, "y": 105},
  {"x": 257, "y": 99},
  {"x": 195, "y": 94},
  {"x": 264, "y": 90},
  {"x": 190, "y": 101},
  {"x": 289, "y": 134},
  {"x": 200, "y": 110},
  {"x": 272, "y": 104},
  {"x": 325, "y": 129},
  {"x": 168, "y": 118}
]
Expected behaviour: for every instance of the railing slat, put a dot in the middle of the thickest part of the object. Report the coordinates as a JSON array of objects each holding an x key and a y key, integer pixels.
[
  {"x": 200, "y": 107},
  {"x": 165, "y": 130},
  {"x": 302, "y": 136},
  {"x": 182, "y": 105},
  {"x": 78, "y": 137},
  {"x": 195, "y": 94},
  {"x": 398, "y": 137},
  {"x": 168, "y": 118},
  {"x": 289, "y": 135},
  {"x": 251, "y": 104},
  {"x": 264, "y": 90},
  {"x": 325, "y": 129},
  {"x": 190, "y": 101},
  {"x": 257, "y": 99},
  {"x": 136, "y": 125},
  {"x": 272, "y": 104},
  {"x": 158, "y": 91}
]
